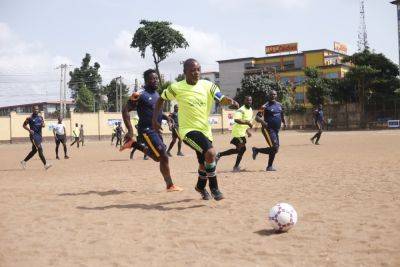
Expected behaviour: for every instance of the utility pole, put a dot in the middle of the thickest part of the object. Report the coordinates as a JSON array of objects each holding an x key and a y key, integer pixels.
[
  {"x": 63, "y": 88},
  {"x": 118, "y": 94}
]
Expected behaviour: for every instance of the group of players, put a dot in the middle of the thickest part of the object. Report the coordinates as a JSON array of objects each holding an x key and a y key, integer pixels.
[{"x": 195, "y": 99}]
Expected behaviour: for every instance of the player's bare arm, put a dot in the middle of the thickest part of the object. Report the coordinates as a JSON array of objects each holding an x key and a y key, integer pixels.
[
  {"x": 244, "y": 122},
  {"x": 157, "y": 109},
  {"x": 227, "y": 101},
  {"x": 130, "y": 105},
  {"x": 25, "y": 126},
  {"x": 260, "y": 120}
]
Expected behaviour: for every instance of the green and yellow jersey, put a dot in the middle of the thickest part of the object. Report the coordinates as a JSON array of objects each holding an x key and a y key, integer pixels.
[
  {"x": 243, "y": 113},
  {"x": 195, "y": 103}
]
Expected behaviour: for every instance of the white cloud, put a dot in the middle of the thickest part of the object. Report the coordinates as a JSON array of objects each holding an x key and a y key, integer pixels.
[
  {"x": 204, "y": 46},
  {"x": 257, "y": 4},
  {"x": 27, "y": 71}
]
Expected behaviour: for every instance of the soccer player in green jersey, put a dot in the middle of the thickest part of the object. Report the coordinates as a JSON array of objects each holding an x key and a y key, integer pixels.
[
  {"x": 195, "y": 98},
  {"x": 242, "y": 118}
]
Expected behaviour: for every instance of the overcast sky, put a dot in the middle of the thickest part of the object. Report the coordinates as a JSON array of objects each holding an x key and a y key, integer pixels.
[{"x": 36, "y": 36}]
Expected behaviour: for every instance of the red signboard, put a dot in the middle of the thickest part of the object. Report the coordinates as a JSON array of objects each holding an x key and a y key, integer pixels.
[
  {"x": 339, "y": 47},
  {"x": 273, "y": 49}
]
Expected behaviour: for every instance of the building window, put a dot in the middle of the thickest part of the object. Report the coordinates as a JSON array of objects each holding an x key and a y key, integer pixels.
[
  {"x": 300, "y": 97},
  {"x": 332, "y": 75}
]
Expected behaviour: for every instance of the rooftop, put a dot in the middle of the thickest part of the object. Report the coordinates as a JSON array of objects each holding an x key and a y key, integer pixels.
[{"x": 68, "y": 102}]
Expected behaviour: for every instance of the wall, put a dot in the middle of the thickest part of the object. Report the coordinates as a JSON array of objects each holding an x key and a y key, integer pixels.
[
  {"x": 230, "y": 76},
  {"x": 314, "y": 59}
]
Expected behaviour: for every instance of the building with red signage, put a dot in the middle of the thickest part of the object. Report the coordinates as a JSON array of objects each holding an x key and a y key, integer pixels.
[{"x": 288, "y": 68}]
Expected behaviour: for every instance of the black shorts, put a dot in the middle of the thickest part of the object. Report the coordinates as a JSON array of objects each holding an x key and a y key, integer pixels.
[
  {"x": 198, "y": 142},
  {"x": 154, "y": 141},
  {"x": 271, "y": 136},
  {"x": 175, "y": 133},
  {"x": 60, "y": 139},
  {"x": 238, "y": 140}
]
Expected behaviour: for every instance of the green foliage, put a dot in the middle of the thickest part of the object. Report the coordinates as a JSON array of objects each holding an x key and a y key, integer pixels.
[
  {"x": 180, "y": 77},
  {"x": 110, "y": 91},
  {"x": 259, "y": 86},
  {"x": 88, "y": 77},
  {"x": 84, "y": 100},
  {"x": 160, "y": 37},
  {"x": 374, "y": 77},
  {"x": 318, "y": 89}
]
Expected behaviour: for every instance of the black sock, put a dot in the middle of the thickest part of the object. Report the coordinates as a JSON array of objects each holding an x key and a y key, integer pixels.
[
  {"x": 228, "y": 152},
  {"x": 266, "y": 150},
  {"x": 213, "y": 182},
  {"x": 239, "y": 156},
  {"x": 41, "y": 156},
  {"x": 318, "y": 137},
  {"x": 271, "y": 159},
  {"x": 201, "y": 180}
]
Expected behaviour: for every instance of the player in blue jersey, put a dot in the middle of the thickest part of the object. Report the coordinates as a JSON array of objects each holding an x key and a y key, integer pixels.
[
  {"x": 36, "y": 123},
  {"x": 319, "y": 121},
  {"x": 154, "y": 146},
  {"x": 174, "y": 127},
  {"x": 271, "y": 124}
]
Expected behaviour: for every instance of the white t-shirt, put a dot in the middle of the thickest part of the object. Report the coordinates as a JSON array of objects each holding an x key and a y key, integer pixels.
[{"x": 59, "y": 129}]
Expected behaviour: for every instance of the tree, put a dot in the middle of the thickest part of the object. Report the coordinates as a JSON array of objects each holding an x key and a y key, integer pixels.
[
  {"x": 374, "y": 78},
  {"x": 84, "y": 100},
  {"x": 86, "y": 75},
  {"x": 160, "y": 38},
  {"x": 318, "y": 89},
  {"x": 259, "y": 86},
  {"x": 180, "y": 77},
  {"x": 110, "y": 91}
]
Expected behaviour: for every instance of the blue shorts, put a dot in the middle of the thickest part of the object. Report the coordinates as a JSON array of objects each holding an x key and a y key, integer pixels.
[
  {"x": 271, "y": 136},
  {"x": 36, "y": 140},
  {"x": 153, "y": 141}
]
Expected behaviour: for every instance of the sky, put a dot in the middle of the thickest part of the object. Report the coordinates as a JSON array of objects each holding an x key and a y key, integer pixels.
[{"x": 37, "y": 36}]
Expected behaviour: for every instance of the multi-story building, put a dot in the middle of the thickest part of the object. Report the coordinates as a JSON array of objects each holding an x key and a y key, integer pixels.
[
  {"x": 288, "y": 68},
  {"x": 212, "y": 76},
  {"x": 49, "y": 108}
]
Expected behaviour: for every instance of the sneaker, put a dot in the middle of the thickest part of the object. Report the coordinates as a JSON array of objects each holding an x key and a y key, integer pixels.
[
  {"x": 145, "y": 157},
  {"x": 169, "y": 154},
  {"x": 174, "y": 188},
  {"x": 254, "y": 152},
  {"x": 203, "y": 192},
  {"x": 47, "y": 166},
  {"x": 217, "y": 157},
  {"x": 23, "y": 164},
  {"x": 217, "y": 194},
  {"x": 312, "y": 140},
  {"x": 270, "y": 169},
  {"x": 180, "y": 154},
  {"x": 66, "y": 157},
  {"x": 57, "y": 158},
  {"x": 236, "y": 169}
]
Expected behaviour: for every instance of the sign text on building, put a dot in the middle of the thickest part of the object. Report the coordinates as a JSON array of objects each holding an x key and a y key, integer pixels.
[{"x": 273, "y": 49}]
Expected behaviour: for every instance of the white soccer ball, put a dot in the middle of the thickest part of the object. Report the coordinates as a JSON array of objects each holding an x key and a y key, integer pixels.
[{"x": 282, "y": 217}]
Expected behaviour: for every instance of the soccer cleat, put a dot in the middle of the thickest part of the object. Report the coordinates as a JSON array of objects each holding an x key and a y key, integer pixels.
[
  {"x": 236, "y": 169},
  {"x": 312, "y": 140},
  {"x": 174, "y": 188},
  {"x": 169, "y": 154},
  {"x": 203, "y": 192},
  {"x": 66, "y": 157},
  {"x": 23, "y": 164},
  {"x": 270, "y": 169},
  {"x": 217, "y": 194},
  {"x": 47, "y": 166},
  {"x": 254, "y": 155},
  {"x": 180, "y": 154}
]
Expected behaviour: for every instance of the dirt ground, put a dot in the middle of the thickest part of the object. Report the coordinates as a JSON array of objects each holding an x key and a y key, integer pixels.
[{"x": 101, "y": 209}]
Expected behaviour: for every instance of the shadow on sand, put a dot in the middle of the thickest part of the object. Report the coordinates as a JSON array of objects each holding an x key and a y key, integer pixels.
[
  {"x": 268, "y": 232},
  {"x": 157, "y": 206},
  {"x": 100, "y": 193}
]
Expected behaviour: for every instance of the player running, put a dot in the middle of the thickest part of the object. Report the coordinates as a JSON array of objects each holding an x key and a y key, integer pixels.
[
  {"x": 271, "y": 124},
  {"x": 319, "y": 121},
  {"x": 175, "y": 133},
  {"x": 240, "y": 129},
  {"x": 118, "y": 133},
  {"x": 36, "y": 123},
  {"x": 195, "y": 99},
  {"x": 144, "y": 104},
  {"x": 60, "y": 137},
  {"x": 75, "y": 134}
]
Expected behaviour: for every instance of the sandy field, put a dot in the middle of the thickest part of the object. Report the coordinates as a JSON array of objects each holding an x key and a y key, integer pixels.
[{"x": 101, "y": 209}]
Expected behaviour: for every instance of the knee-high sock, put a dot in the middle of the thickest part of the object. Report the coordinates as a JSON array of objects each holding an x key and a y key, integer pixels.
[
  {"x": 201, "y": 180},
  {"x": 228, "y": 152},
  {"x": 31, "y": 154},
  {"x": 239, "y": 156}
]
